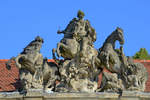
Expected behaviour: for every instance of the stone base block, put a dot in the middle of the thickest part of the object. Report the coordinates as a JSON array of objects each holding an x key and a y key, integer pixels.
[{"x": 41, "y": 95}]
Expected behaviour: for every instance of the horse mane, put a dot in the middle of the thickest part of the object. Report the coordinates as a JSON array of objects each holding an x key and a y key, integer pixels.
[{"x": 30, "y": 46}]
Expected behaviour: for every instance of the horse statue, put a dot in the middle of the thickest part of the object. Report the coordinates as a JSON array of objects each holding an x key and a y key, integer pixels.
[
  {"x": 77, "y": 35},
  {"x": 108, "y": 55},
  {"x": 67, "y": 48},
  {"x": 81, "y": 60},
  {"x": 30, "y": 63},
  {"x": 34, "y": 71},
  {"x": 31, "y": 56}
]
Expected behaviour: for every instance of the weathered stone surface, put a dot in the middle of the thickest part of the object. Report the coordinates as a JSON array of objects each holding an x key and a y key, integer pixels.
[
  {"x": 38, "y": 95},
  {"x": 125, "y": 74},
  {"x": 79, "y": 70},
  {"x": 35, "y": 72},
  {"x": 82, "y": 63}
]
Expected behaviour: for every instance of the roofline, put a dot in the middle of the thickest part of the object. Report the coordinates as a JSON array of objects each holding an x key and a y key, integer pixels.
[
  {"x": 138, "y": 60},
  {"x": 4, "y": 59}
]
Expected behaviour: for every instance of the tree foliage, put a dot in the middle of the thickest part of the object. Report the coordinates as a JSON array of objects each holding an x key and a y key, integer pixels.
[{"x": 142, "y": 54}]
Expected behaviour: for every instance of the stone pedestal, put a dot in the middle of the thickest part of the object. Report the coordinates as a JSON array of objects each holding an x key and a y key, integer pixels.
[{"x": 40, "y": 95}]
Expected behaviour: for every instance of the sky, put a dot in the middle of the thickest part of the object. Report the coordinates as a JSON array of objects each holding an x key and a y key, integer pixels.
[{"x": 22, "y": 20}]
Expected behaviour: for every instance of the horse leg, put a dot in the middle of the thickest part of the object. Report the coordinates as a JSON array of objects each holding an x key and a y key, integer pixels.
[
  {"x": 57, "y": 50},
  {"x": 65, "y": 48},
  {"x": 59, "y": 45},
  {"x": 104, "y": 56},
  {"x": 98, "y": 62}
]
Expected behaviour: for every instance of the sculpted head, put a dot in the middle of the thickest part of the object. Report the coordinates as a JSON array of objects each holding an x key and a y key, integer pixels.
[
  {"x": 34, "y": 46},
  {"x": 38, "y": 43},
  {"x": 80, "y": 14},
  {"x": 119, "y": 35}
]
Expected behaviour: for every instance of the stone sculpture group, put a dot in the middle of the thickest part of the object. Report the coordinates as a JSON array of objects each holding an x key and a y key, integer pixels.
[{"x": 82, "y": 63}]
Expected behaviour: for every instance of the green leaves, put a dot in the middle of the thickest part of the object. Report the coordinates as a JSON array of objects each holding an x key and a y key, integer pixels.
[{"x": 142, "y": 54}]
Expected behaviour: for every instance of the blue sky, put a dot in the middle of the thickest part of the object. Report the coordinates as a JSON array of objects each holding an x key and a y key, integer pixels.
[{"x": 22, "y": 20}]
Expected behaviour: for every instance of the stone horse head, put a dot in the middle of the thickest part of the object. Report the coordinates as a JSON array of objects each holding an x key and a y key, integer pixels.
[
  {"x": 108, "y": 54},
  {"x": 116, "y": 35},
  {"x": 31, "y": 56}
]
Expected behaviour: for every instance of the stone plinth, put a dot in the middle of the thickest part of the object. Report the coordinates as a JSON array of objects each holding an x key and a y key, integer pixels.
[{"x": 40, "y": 95}]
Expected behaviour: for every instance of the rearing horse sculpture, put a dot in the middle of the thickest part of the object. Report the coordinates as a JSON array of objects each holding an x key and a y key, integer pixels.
[{"x": 108, "y": 55}]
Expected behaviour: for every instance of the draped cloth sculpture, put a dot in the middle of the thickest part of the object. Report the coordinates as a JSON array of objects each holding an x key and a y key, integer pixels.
[{"x": 82, "y": 63}]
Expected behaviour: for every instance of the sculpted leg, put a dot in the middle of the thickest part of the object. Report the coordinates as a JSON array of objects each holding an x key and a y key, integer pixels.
[
  {"x": 83, "y": 47},
  {"x": 66, "y": 51}
]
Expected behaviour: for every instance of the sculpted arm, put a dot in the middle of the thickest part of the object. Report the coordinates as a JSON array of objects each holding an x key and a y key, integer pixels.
[
  {"x": 70, "y": 29},
  {"x": 90, "y": 31}
]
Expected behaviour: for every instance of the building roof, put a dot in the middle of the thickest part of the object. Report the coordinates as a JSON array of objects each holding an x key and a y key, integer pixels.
[{"x": 9, "y": 78}]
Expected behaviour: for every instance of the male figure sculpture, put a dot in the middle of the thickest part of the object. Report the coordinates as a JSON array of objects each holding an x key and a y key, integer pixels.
[{"x": 81, "y": 31}]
